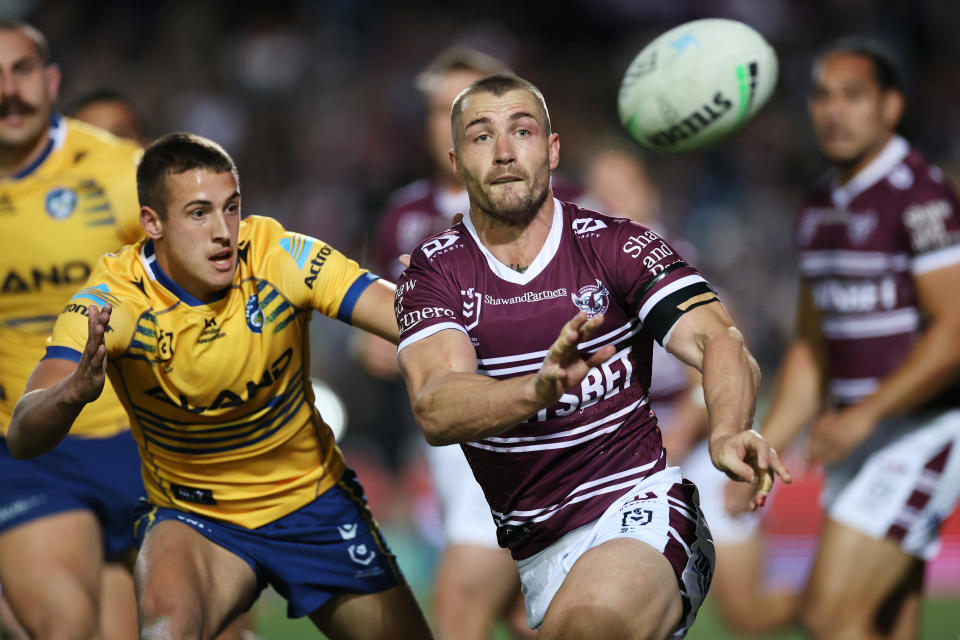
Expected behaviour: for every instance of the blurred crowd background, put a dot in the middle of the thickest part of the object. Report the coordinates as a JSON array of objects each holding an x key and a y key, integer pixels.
[{"x": 316, "y": 101}]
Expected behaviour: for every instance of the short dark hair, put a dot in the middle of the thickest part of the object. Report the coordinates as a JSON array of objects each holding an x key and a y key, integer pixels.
[
  {"x": 173, "y": 154},
  {"x": 497, "y": 84},
  {"x": 106, "y": 94},
  {"x": 39, "y": 40},
  {"x": 886, "y": 69}
]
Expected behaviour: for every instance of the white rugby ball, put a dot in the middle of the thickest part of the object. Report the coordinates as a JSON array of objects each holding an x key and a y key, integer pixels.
[{"x": 696, "y": 85}]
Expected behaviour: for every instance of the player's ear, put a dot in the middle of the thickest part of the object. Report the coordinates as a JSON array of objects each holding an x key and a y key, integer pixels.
[
  {"x": 554, "y": 143},
  {"x": 52, "y": 76},
  {"x": 452, "y": 154},
  {"x": 151, "y": 222},
  {"x": 893, "y": 106}
]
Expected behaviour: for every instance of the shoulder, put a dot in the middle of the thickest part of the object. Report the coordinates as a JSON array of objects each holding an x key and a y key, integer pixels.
[
  {"x": 414, "y": 195},
  {"x": 915, "y": 180},
  {"x": 99, "y": 149}
]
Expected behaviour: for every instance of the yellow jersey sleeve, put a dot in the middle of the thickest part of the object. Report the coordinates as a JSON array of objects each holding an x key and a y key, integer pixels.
[{"x": 310, "y": 272}]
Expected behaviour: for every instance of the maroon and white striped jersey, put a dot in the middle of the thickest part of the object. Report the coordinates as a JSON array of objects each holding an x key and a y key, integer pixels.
[
  {"x": 561, "y": 468},
  {"x": 861, "y": 245}
]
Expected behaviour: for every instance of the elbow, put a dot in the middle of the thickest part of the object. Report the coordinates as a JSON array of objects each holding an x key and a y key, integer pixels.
[
  {"x": 16, "y": 443},
  {"x": 434, "y": 432}
]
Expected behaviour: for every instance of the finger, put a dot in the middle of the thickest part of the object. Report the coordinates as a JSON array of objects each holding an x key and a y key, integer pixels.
[
  {"x": 590, "y": 326},
  {"x": 602, "y": 355},
  {"x": 457, "y": 217},
  {"x": 404, "y": 260},
  {"x": 740, "y": 470},
  {"x": 779, "y": 467}
]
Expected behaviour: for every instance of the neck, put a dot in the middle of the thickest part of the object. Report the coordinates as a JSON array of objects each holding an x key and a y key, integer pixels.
[
  {"x": 16, "y": 158},
  {"x": 846, "y": 171},
  {"x": 515, "y": 245}
]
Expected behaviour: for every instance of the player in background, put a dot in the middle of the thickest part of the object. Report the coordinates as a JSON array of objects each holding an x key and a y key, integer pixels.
[
  {"x": 245, "y": 484},
  {"x": 874, "y": 361},
  {"x": 476, "y": 582},
  {"x": 110, "y": 110},
  {"x": 610, "y": 541},
  {"x": 618, "y": 182},
  {"x": 67, "y": 195}
]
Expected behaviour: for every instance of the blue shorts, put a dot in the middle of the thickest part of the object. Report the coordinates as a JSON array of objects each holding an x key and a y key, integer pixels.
[
  {"x": 328, "y": 547},
  {"x": 101, "y": 475}
]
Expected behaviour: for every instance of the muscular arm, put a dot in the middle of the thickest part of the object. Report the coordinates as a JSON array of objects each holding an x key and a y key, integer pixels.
[
  {"x": 453, "y": 403},
  {"x": 798, "y": 392},
  {"x": 57, "y": 391},
  {"x": 374, "y": 311},
  {"x": 706, "y": 339}
]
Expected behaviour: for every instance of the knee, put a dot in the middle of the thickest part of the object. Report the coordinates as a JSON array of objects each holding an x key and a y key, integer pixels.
[
  {"x": 831, "y": 615},
  {"x": 166, "y": 617}
]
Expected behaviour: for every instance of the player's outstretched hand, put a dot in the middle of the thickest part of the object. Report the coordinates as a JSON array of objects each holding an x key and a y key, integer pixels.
[
  {"x": 86, "y": 383},
  {"x": 748, "y": 457},
  {"x": 564, "y": 367}
]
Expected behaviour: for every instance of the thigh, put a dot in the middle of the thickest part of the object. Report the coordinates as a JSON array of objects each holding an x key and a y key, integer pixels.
[
  {"x": 187, "y": 579},
  {"x": 853, "y": 574},
  {"x": 386, "y": 615},
  {"x": 118, "y": 605},
  {"x": 50, "y": 568},
  {"x": 623, "y": 588}
]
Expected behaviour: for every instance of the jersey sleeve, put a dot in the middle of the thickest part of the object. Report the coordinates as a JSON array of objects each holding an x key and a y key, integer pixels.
[
  {"x": 315, "y": 275},
  {"x": 71, "y": 327},
  {"x": 426, "y": 301},
  {"x": 655, "y": 281},
  {"x": 931, "y": 221}
]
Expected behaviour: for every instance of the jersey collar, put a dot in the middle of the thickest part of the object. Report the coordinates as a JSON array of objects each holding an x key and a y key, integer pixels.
[
  {"x": 55, "y": 138},
  {"x": 547, "y": 251},
  {"x": 148, "y": 257},
  {"x": 892, "y": 155}
]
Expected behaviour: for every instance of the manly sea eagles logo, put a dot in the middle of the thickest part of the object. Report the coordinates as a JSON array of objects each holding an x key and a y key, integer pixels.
[
  {"x": 593, "y": 298},
  {"x": 254, "y": 314}
]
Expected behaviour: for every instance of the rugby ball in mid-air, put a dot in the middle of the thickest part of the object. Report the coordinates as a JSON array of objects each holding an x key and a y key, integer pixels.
[{"x": 696, "y": 84}]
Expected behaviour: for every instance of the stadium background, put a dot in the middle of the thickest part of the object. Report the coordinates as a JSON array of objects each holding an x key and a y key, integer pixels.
[{"x": 315, "y": 100}]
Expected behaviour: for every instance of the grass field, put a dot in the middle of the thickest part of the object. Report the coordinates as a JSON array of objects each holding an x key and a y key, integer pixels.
[{"x": 941, "y": 621}]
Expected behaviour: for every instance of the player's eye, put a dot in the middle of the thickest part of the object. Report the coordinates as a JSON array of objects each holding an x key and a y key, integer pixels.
[
  {"x": 197, "y": 213},
  {"x": 233, "y": 208},
  {"x": 523, "y": 133},
  {"x": 483, "y": 137}
]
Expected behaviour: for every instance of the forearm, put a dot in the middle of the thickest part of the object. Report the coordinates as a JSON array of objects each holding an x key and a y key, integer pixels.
[
  {"x": 41, "y": 419},
  {"x": 797, "y": 397},
  {"x": 731, "y": 378},
  {"x": 462, "y": 407},
  {"x": 931, "y": 365}
]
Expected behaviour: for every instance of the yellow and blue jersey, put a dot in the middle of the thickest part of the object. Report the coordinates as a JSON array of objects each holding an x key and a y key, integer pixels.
[
  {"x": 218, "y": 392},
  {"x": 77, "y": 201}
]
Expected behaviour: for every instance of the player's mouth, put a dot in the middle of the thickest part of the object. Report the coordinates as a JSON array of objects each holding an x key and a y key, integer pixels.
[
  {"x": 222, "y": 260},
  {"x": 506, "y": 179}
]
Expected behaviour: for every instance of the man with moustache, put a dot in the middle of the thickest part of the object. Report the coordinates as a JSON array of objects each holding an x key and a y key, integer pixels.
[
  {"x": 67, "y": 195},
  {"x": 552, "y": 412}
]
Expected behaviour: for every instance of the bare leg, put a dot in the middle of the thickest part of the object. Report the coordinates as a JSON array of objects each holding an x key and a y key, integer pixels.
[
  {"x": 743, "y": 602},
  {"x": 474, "y": 586},
  {"x": 387, "y": 615},
  {"x": 50, "y": 569},
  {"x": 853, "y": 575},
  {"x": 623, "y": 589}
]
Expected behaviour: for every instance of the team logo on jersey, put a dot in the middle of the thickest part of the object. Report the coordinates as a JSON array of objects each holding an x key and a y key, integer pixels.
[
  {"x": 439, "y": 244},
  {"x": 348, "y": 531},
  {"x": 860, "y": 226},
  {"x": 470, "y": 310},
  {"x": 586, "y": 225},
  {"x": 635, "y": 518},
  {"x": 593, "y": 298},
  {"x": 254, "y": 314},
  {"x": 360, "y": 554},
  {"x": 60, "y": 202}
]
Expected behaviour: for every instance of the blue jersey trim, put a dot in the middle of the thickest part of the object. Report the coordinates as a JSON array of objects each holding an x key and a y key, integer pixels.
[
  {"x": 345, "y": 312},
  {"x": 63, "y": 353},
  {"x": 168, "y": 283},
  {"x": 56, "y": 121}
]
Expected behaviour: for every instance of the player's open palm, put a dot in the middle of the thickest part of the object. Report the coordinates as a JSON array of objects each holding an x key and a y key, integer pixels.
[
  {"x": 88, "y": 379},
  {"x": 564, "y": 366}
]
